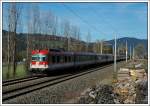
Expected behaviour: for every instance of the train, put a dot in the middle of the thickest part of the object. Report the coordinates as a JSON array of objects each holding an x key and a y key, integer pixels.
[{"x": 55, "y": 59}]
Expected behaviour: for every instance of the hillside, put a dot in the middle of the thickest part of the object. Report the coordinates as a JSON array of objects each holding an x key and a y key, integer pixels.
[{"x": 130, "y": 42}]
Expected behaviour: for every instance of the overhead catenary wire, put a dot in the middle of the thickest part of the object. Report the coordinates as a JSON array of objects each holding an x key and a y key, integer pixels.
[
  {"x": 105, "y": 20},
  {"x": 83, "y": 20}
]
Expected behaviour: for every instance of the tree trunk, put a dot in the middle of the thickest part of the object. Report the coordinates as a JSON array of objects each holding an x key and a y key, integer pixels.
[
  {"x": 28, "y": 51},
  {"x": 8, "y": 55},
  {"x": 14, "y": 54}
]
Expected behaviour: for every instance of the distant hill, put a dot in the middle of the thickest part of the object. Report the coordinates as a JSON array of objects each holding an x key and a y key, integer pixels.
[{"x": 130, "y": 42}]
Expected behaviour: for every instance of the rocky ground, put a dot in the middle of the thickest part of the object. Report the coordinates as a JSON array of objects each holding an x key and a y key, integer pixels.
[
  {"x": 127, "y": 90},
  {"x": 107, "y": 94},
  {"x": 142, "y": 91},
  {"x": 102, "y": 94}
]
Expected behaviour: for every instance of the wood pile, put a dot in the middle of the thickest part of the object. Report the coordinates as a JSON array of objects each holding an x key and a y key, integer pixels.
[
  {"x": 129, "y": 83},
  {"x": 123, "y": 74}
]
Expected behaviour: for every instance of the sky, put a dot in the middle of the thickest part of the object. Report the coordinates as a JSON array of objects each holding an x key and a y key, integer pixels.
[{"x": 102, "y": 20}]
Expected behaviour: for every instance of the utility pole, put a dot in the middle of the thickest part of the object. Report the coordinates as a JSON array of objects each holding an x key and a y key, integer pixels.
[
  {"x": 87, "y": 46},
  {"x": 126, "y": 52},
  {"x": 118, "y": 50},
  {"x": 133, "y": 52},
  {"x": 101, "y": 47},
  {"x": 68, "y": 43},
  {"x": 113, "y": 51},
  {"x": 130, "y": 52},
  {"x": 115, "y": 70}
]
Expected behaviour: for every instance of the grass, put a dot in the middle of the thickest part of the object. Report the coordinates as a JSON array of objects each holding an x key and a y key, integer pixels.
[{"x": 20, "y": 72}]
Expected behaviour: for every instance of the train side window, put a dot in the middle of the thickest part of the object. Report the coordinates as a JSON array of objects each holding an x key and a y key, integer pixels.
[
  {"x": 65, "y": 59},
  {"x": 88, "y": 58},
  {"x": 58, "y": 59},
  {"x": 61, "y": 59},
  {"x": 68, "y": 58},
  {"x": 49, "y": 58},
  {"x": 79, "y": 58},
  {"x": 72, "y": 58},
  {"x": 44, "y": 58},
  {"x": 53, "y": 59},
  {"x": 82, "y": 58}
]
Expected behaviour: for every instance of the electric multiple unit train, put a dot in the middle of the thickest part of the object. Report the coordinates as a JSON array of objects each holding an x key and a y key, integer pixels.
[{"x": 53, "y": 59}]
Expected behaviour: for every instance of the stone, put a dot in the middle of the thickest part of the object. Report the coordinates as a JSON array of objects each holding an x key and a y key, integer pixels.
[
  {"x": 116, "y": 101},
  {"x": 92, "y": 94}
]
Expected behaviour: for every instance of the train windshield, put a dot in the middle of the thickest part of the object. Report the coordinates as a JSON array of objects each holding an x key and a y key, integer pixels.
[{"x": 39, "y": 58}]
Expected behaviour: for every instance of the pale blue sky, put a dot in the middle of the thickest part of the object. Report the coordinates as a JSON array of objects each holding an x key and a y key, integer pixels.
[{"x": 103, "y": 20}]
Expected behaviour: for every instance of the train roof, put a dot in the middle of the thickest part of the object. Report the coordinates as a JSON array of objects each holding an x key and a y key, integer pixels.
[
  {"x": 60, "y": 51},
  {"x": 39, "y": 52},
  {"x": 85, "y": 53},
  {"x": 105, "y": 54}
]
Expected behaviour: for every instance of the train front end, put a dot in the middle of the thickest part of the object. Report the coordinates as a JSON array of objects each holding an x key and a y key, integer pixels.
[{"x": 39, "y": 60}]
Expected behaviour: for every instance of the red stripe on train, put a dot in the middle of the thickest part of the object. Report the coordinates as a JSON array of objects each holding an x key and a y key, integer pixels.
[
  {"x": 40, "y": 63},
  {"x": 43, "y": 63}
]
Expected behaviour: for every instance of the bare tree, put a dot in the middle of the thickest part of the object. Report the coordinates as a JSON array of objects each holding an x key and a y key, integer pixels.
[
  {"x": 49, "y": 23},
  {"x": 88, "y": 40},
  {"x": 14, "y": 18},
  {"x": 29, "y": 25},
  {"x": 78, "y": 34},
  {"x": 35, "y": 26},
  {"x": 46, "y": 22},
  {"x": 74, "y": 31},
  {"x": 8, "y": 49},
  {"x": 55, "y": 25},
  {"x": 66, "y": 33}
]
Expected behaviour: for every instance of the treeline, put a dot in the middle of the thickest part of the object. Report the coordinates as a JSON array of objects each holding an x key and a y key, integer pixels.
[{"x": 52, "y": 41}]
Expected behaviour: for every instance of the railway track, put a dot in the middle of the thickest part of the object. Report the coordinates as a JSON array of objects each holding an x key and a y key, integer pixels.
[
  {"x": 12, "y": 91},
  {"x": 9, "y": 82},
  {"x": 17, "y": 80}
]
